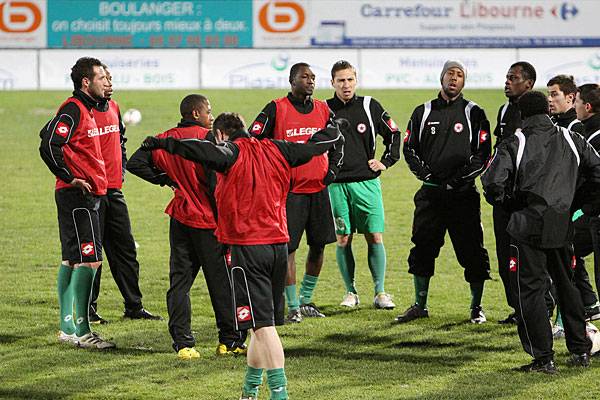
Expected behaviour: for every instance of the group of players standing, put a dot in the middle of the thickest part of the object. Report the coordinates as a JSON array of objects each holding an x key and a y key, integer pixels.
[{"x": 242, "y": 201}]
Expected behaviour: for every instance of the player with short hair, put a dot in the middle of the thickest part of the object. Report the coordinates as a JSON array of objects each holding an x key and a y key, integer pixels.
[
  {"x": 191, "y": 232},
  {"x": 447, "y": 145},
  {"x": 295, "y": 118},
  {"x": 561, "y": 98},
  {"x": 117, "y": 240},
  {"x": 535, "y": 174},
  {"x": 356, "y": 198},
  {"x": 253, "y": 182},
  {"x": 71, "y": 149},
  {"x": 520, "y": 79}
]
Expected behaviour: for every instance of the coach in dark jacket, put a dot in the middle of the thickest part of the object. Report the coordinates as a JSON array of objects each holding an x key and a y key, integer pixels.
[{"x": 534, "y": 175}]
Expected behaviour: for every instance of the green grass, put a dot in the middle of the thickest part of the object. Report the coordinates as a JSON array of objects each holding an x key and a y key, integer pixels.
[{"x": 355, "y": 354}]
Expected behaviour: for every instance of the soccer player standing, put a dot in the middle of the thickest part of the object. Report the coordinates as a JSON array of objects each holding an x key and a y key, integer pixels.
[
  {"x": 71, "y": 149},
  {"x": 447, "y": 145},
  {"x": 295, "y": 118},
  {"x": 356, "y": 198},
  {"x": 535, "y": 173},
  {"x": 253, "y": 182},
  {"x": 520, "y": 79},
  {"x": 117, "y": 240},
  {"x": 191, "y": 232}
]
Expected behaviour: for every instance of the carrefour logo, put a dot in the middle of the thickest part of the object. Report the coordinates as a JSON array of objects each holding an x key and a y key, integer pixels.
[{"x": 565, "y": 11}]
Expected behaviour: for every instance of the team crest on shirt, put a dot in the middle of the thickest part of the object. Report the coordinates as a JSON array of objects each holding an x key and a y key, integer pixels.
[
  {"x": 513, "y": 264},
  {"x": 87, "y": 249},
  {"x": 62, "y": 129},
  {"x": 361, "y": 128},
  {"x": 243, "y": 314},
  {"x": 458, "y": 127}
]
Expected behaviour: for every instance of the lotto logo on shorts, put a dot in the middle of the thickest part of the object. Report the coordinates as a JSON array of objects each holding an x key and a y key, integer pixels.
[
  {"x": 573, "y": 262},
  {"x": 87, "y": 249},
  {"x": 483, "y": 135},
  {"x": 243, "y": 314},
  {"x": 62, "y": 129},
  {"x": 512, "y": 265}
]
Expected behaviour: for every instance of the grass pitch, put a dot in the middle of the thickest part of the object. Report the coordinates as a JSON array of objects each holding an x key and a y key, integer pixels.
[{"x": 351, "y": 354}]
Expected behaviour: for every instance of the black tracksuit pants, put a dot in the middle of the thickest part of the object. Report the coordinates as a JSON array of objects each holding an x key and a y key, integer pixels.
[
  {"x": 529, "y": 270},
  {"x": 458, "y": 212},
  {"x": 501, "y": 218},
  {"x": 587, "y": 237},
  {"x": 119, "y": 248},
  {"x": 192, "y": 248}
]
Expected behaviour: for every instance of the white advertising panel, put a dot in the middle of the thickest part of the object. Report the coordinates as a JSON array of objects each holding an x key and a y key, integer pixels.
[
  {"x": 18, "y": 70},
  {"x": 131, "y": 69},
  {"x": 448, "y": 23},
  {"x": 281, "y": 23},
  {"x": 583, "y": 64},
  {"x": 421, "y": 68},
  {"x": 23, "y": 23},
  {"x": 246, "y": 69}
]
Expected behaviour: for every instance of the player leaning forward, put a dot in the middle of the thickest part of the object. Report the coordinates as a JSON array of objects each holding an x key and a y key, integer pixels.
[
  {"x": 252, "y": 185},
  {"x": 70, "y": 148},
  {"x": 447, "y": 145}
]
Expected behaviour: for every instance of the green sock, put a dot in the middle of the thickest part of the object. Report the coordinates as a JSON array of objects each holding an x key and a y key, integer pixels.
[
  {"x": 307, "y": 287},
  {"x": 82, "y": 280},
  {"x": 277, "y": 384},
  {"x": 476, "y": 293},
  {"x": 292, "y": 297},
  {"x": 65, "y": 299},
  {"x": 421, "y": 289},
  {"x": 252, "y": 381},
  {"x": 345, "y": 261},
  {"x": 376, "y": 257},
  {"x": 558, "y": 318}
]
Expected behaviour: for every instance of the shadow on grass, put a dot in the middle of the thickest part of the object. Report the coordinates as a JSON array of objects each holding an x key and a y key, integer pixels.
[{"x": 7, "y": 338}]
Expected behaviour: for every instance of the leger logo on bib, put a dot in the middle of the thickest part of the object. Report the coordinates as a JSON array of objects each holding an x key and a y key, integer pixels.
[
  {"x": 243, "y": 313},
  {"x": 458, "y": 127}
]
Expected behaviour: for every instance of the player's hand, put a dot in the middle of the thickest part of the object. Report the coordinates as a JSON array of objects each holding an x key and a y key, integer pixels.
[
  {"x": 329, "y": 178},
  {"x": 342, "y": 123},
  {"x": 150, "y": 143},
  {"x": 576, "y": 215},
  {"x": 81, "y": 184},
  {"x": 376, "y": 165}
]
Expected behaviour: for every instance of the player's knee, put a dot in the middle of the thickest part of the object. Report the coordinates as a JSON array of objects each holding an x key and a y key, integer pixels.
[{"x": 374, "y": 238}]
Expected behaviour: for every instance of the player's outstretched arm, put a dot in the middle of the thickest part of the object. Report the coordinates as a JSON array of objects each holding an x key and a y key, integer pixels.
[
  {"x": 141, "y": 165},
  {"x": 217, "y": 157},
  {"x": 497, "y": 176},
  {"x": 300, "y": 153}
]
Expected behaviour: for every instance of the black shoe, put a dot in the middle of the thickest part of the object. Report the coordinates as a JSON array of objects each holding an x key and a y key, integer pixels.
[
  {"x": 95, "y": 318},
  {"x": 510, "y": 320},
  {"x": 592, "y": 314},
  {"x": 413, "y": 312},
  {"x": 141, "y": 314},
  {"x": 579, "y": 360},
  {"x": 545, "y": 367}
]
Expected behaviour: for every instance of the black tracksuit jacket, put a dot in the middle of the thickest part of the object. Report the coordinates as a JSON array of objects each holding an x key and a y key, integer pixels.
[
  {"x": 367, "y": 120},
  {"x": 544, "y": 162},
  {"x": 447, "y": 142}
]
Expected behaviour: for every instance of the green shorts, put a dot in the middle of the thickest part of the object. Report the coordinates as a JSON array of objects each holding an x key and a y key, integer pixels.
[{"x": 357, "y": 207}]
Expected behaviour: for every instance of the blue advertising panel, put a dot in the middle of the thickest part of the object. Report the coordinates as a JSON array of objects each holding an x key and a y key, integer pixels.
[{"x": 149, "y": 24}]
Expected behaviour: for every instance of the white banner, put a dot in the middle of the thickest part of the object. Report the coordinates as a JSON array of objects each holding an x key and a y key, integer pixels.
[
  {"x": 260, "y": 69},
  {"x": 18, "y": 70},
  {"x": 583, "y": 64},
  {"x": 421, "y": 68},
  {"x": 23, "y": 23},
  {"x": 131, "y": 69},
  {"x": 450, "y": 23}
]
